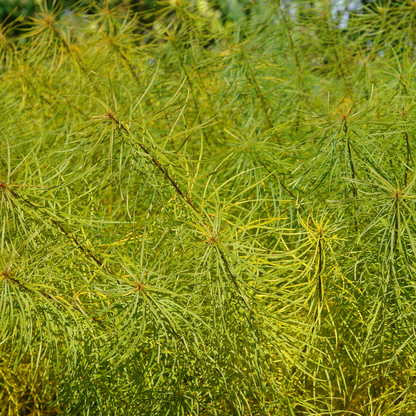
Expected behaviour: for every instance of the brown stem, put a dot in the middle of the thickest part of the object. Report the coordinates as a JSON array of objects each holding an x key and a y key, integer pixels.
[
  {"x": 45, "y": 295},
  {"x": 61, "y": 228},
  {"x": 160, "y": 167}
]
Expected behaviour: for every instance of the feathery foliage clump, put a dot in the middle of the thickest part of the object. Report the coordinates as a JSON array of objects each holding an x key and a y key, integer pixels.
[{"x": 199, "y": 218}]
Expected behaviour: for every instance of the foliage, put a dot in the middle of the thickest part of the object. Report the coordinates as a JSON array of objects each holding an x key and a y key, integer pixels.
[
  {"x": 21, "y": 11},
  {"x": 208, "y": 219}
]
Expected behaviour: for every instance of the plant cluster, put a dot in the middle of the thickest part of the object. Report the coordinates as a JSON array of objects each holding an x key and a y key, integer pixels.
[
  {"x": 21, "y": 11},
  {"x": 209, "y": 219}
]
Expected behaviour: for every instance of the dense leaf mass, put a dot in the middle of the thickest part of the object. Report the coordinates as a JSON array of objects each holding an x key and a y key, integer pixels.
[{"x": 200, "y": 217}]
